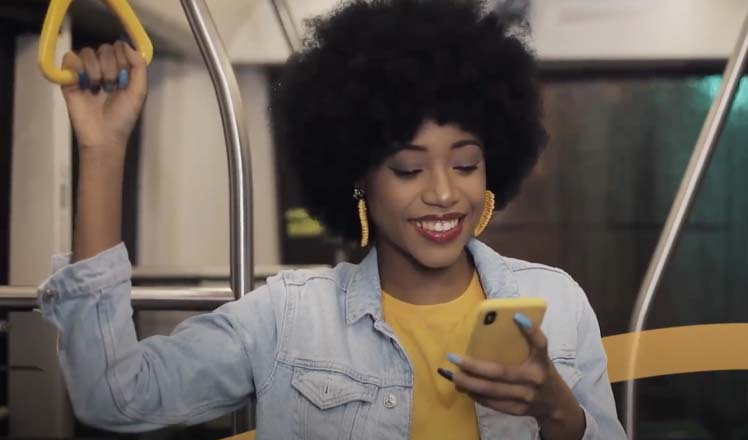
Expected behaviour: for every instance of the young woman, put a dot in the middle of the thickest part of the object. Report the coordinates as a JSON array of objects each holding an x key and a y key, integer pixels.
[{"x": 410, "y": 121}]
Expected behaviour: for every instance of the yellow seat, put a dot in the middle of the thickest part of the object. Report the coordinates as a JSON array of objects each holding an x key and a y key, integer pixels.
[
  {"x": 676, "y": 350},
  {"x": 249, "y": 435}
]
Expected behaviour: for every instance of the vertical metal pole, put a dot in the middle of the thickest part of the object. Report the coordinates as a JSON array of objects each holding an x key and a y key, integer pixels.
[
  {"x": 237, "y": 145},
  {"x": 697, "y": 166}
]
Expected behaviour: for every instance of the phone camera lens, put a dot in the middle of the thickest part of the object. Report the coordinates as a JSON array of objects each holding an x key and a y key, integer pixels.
[{"x": 490, "y": 318}]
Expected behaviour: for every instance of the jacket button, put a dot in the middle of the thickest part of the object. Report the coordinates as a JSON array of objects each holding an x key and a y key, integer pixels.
[
  {"x": 49, "y": 295},
  {"x": 390, "y": 401}
]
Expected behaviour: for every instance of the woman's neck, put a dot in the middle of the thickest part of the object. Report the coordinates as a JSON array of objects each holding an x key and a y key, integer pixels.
[{"x": 407, "y": 280}]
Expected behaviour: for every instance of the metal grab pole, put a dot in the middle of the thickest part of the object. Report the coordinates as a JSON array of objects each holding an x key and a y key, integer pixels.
[
  {"x": 237, "y": 141},
  {"x": 697, "y": 165},
  {"x": 237, "y": 145}
]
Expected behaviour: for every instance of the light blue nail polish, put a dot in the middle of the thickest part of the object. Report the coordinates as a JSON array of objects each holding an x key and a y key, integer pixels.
[
  {"x": 123, "y": 78},
  {"x": 83, "y": 81},
  {"x": 522, "y": 320},
  {"x": 451, "y": 357}
]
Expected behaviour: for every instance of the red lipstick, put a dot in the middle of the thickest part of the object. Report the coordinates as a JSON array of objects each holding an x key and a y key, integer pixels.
[{"x": 439, "y": 229}]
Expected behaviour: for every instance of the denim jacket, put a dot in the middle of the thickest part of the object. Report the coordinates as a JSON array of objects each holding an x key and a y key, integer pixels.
[{"x": 311, "y": 347}]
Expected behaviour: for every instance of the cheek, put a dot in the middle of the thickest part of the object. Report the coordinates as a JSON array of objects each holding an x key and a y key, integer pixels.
[
  {"x": 389, "y": 208},
  {"x": 474, "y": 191},
  {"x": 477, "y": 213}
]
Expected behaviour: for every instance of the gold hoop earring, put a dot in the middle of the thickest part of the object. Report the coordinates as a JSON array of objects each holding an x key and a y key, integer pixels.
[
  {"x": 358, "y": 194},
  {"x": 489, "y": 204}
]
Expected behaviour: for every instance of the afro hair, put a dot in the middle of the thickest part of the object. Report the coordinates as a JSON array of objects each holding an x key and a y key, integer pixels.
[{"x": 371, "y": 72}]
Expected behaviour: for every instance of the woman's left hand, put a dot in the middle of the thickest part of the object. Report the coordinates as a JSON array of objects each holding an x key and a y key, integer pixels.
[{"x": 533, "y": 388}]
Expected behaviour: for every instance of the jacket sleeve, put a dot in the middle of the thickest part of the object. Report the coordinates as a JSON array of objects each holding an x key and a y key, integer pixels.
[{"x": 209, "y": 366}]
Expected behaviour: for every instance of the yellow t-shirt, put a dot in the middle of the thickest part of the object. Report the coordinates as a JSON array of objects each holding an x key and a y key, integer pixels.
[{"x": 428, "y": 333}]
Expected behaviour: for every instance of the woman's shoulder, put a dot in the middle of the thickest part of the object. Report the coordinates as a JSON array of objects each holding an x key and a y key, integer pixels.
[
  {"x": 529, "y": 277},
  {"x": 529, "y": 269},
  {"x": 553, "y": 284},
  {"x": 337, "y": 276},
  {"x": 514, "y": 277},
  {"x": 567, "y": 302}
]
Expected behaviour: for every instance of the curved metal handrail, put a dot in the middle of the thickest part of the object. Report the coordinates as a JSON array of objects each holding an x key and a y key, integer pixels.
[
  {"x": 24, "y": 298},
  {"x": 237, "y": 141},
  {"x": 697, "y": 166},
  {"x": 237, "y": 145}
]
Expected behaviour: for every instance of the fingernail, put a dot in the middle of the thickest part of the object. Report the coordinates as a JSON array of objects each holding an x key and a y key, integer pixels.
[
  {"x": 445, "y": 373},
  {"x": 522, "y": 320},
  {"x": 122, "y": 78},
  {"x": 451, "y": 357},
  {"x": 83, "y": 81},
  {"x": 96, "y": 89},
  {"x": 109, "y": 87}
]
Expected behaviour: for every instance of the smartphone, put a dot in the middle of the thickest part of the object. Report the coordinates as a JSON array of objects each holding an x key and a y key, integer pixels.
[{"x": 496, "y": 336}]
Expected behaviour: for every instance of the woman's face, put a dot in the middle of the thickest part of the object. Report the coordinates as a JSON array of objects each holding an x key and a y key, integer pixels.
[{"x": 426, "y": 199}]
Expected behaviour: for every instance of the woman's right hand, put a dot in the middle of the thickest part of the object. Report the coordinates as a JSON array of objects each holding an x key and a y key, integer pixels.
[{"x": 105, "y": 104}]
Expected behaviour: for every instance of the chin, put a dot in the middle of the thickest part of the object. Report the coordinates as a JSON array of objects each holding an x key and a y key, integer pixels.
[{"x": 439, "y": 257}]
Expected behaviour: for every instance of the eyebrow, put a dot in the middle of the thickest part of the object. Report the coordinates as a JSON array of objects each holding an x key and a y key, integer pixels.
[{"x": 458, "y": 144}]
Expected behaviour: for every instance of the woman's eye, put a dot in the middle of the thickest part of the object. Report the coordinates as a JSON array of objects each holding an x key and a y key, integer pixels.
[
  {"x": 405, "y": 173},
  {"x": 466, "y": 168}
]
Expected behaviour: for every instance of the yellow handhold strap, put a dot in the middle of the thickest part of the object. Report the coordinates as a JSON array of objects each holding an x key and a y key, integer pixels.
[{"x": 51, "y": 29}]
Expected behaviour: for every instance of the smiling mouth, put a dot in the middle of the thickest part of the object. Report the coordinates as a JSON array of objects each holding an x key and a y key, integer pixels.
[
  {"x": 440, "y": 230},
  {"x": 437, "y": 225}
]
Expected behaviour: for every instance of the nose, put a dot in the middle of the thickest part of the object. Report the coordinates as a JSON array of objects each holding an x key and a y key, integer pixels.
[{"x": 441, "y": 191}]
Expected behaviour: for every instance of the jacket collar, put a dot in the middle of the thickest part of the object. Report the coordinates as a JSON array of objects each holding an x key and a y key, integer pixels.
[{"x": 364, "y": 291}]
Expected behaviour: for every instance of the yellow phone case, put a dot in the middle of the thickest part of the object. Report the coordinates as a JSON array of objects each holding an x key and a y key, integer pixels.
[{"x": 501, "y": 340}]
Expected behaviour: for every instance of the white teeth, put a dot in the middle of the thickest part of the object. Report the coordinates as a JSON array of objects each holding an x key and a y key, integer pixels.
[{"x": 438, "y": 226}]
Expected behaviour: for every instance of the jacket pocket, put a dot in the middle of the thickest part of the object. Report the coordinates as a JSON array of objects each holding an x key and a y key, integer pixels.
[
  {"x": 565, "y": 361},
  {"x": 332, "y": 402}
]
